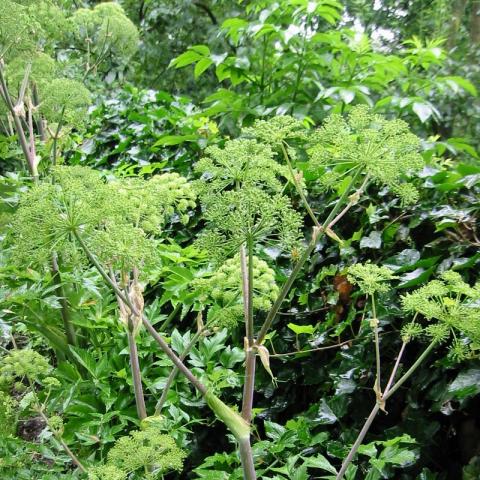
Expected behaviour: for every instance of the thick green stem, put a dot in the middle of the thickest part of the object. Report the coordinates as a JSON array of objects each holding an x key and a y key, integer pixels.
[
  {"x": 173, "y": 374},
  {"x": 378, "y": 384},
  {"x": 246, "y": 457},
  {"x": 136, "y": 376},
  {"x": 299, "y": 187},
  {"x": 387, "y": 394},
  {"x": 65, "y": 310},
  {"x": 316, "y": 235},
  {"x": 245, "y": 448},
  {"x": 133, "y": 354},
  {"x": 158, "y": 338},
  {"x": 249, "y": 306},
  {"x": 249, "y": 383},
  {"x": 31, "y": 162}
]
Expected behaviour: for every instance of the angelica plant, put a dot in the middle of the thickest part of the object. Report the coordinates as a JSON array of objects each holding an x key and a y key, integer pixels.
[
  {"x": 242, "y": 191},
  {"x": 44, "y": 97},
  {"x": 120, "y": 222},
  {"x": 28, "y": 365},
  {"x": 385, "y": 151},
  {"x": 76, "y": 213},
  {"x": 445, "y": 310},
  {"x": 105, "y": 32},
  {"x": 146, "y": 452}
]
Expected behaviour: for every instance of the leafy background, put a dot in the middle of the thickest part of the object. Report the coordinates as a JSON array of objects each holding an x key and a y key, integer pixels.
[{"x": 203, "y": 70}]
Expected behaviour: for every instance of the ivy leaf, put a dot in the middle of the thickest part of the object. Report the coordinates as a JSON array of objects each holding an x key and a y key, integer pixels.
[
  {"x": 298, "y": 329},
  {"x": 406, "y": 258},
  {"x": 422, "y": 110},
  {"x": 466, "y": 384},
  {"x": 374, "y": 240},
  {"x": 319, "y": 461}
]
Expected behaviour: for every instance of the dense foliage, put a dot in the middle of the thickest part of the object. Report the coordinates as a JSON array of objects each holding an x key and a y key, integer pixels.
[{"x": 239, "y": 239}]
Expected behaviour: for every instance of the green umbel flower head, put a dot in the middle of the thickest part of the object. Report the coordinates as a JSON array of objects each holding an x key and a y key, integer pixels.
[
  {"x": 145, "y": 449},
  {"x": 277, "y": 130},
  {"x": 224, "y": 290},
  {"x": 21, "y": 363},
  {"x": 66, "y": 101},
  {"x": 383, "y": 149},
  {"x": 241, "y": 163},
  {"x": 107, "y": 29},
  {"x": 455, "y": 306},
  {"x": 120, "y": 220},
  {"x": 235, "y": 216},
  {"x": 106, "y": 472},
  {"x": 72, "y": 198},
  {"x": 150, "y": 204},
  {"x": 371, "y": 278},
  {"x": 19, "y": 32},
  {"x": 43, "y": 70},
  {"x": 241, "y": 191}
]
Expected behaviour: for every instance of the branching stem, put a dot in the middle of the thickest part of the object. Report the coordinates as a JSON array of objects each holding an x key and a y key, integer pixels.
[
  {"x": 158, "y": 338},
  {"x": 317, "y": 233},
  {"x": 299, "y": 187},
  {"x": 389, "y": 391},
  {"x": 378, "y": 383},
  {"x": 173, "y": 374}
]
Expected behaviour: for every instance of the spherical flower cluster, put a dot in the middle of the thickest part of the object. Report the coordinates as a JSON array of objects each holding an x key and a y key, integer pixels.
[
  {"x": 106, "y": 472},
  {"x": 106, "y": 27},
  {"x": 43, "y": 69},
  {"x": 150, "y": 203},
  {"x": 117, "y": 220},
  {"x": 144, "y": 450},
  {"x": 277, "y": 130},
  {"x": 370, "y": 278},
  {"x": 65, "y": 101},
  {"x": 455, "y": 305},
  {"x": 383, "y": 149},
  {"x": 224, "y": 290},
  {"x": 21, "y": 363},
  {"x": 19, "y": 32},
  {"x": 55, "y": 423}
]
